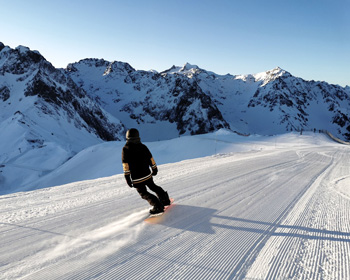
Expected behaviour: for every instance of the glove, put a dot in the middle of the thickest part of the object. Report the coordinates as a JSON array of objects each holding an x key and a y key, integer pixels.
[
  {"x": 128, "y": 181},
  {"x": 154, "y": 171}
]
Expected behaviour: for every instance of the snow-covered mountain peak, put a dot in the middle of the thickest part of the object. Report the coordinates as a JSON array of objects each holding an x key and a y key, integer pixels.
[
  {"x": 21, "y": 60},
  {"x": 87, "y": 64},
  {"x": 172, "y": 70},
  {"x": 278, "y": 72},
  {"x": 32, "y": 55},
  {"x": 118, "y": 67},
  {"x": 189, "y": 67},
  {"x": 25, "y": 50},
  {"x": 20, "y": 49},
  {"x": 2, "y": 46},
  {"x": 95, "y": 68},
  {"x": 270, "y": 75},
  {"x": 191, "y": 70},
  {"x": 153, "y": 71}
]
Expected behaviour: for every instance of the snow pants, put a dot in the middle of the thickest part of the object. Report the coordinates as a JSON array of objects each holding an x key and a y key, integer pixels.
[{"x": 152, "y": 199}]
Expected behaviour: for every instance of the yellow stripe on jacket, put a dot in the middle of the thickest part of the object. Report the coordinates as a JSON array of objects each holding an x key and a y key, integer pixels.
[
  {"x": 154, "y": 165},
  {"x": 126, "y": 168}
]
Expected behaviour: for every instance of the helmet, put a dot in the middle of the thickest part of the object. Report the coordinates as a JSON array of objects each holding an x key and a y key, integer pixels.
[{"x": 132, "y": 134}]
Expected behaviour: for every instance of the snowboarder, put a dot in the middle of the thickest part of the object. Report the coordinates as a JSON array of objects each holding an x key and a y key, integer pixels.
[{"x": 137, "y": 160}]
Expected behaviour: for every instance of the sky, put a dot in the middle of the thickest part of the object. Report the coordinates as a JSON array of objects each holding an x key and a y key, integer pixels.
[{"x": 308, "y": 38}]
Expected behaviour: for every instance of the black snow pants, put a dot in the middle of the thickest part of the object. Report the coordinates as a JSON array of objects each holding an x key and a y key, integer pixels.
[{"x": 152, "y": 199}]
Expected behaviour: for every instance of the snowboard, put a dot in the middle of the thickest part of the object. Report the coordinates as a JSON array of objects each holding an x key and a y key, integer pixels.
[{"x": 162, "y": 213}]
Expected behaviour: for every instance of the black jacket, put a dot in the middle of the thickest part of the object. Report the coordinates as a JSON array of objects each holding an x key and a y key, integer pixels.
[{"x": 137, "y": 160}]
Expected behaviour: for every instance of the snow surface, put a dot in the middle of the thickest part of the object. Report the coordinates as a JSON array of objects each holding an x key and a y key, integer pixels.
[{"x": 245, "y": 208}]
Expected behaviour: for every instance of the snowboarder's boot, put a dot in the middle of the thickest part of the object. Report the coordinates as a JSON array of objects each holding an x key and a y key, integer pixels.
[
  {"x": 156, "y": 210},
  {"x": 157, "y": 206},
  {"x": 164, "y": 199}
]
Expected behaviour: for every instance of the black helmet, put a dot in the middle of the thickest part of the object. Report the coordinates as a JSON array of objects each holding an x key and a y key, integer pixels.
[{"x": 132, "y": 134}]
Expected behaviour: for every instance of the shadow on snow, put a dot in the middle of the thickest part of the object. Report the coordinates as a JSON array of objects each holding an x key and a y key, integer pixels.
[{"x": 204, "y": 220}]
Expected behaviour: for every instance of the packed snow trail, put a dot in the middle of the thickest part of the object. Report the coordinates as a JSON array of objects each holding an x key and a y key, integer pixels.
[{"x": 274, "y": 214}]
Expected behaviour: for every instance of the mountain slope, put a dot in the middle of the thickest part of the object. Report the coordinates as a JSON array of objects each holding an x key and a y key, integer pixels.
[
  {"x": 45, "y": 118},
  {"x": 275, "y": 213}
]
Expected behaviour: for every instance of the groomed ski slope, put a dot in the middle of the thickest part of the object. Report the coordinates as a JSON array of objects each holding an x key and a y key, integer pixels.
[{"x": 280, "y": 211}]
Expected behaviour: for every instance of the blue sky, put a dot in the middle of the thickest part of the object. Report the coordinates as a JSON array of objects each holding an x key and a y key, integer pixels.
[{"x": 308, "y": 38}]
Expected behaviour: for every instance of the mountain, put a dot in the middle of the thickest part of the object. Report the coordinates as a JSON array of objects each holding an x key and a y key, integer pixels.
[
  {"x": 161, "y": 106},
  {"x": 45, "y": 117},
  {"x": 48, "y": 115},
  {"x": 190, "y": 100},
  {"x": 274, "y": 101}
]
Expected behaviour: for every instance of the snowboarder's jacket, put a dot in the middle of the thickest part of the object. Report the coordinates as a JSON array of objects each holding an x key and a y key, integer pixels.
[{"x": 137, "y": 160}]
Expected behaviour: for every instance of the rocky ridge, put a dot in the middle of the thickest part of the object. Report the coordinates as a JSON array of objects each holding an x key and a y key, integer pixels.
[{"x": 55, "y": 113}]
